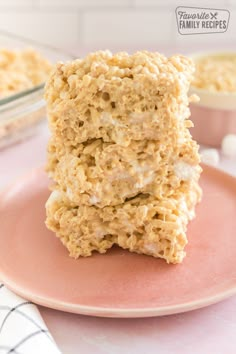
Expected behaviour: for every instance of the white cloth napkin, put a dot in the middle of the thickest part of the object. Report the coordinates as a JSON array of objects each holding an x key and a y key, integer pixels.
[{"x": 22, "y": 329}]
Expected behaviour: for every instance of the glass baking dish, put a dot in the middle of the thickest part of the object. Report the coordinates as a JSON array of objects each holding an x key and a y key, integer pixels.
[{"x": 23, "y": 114}]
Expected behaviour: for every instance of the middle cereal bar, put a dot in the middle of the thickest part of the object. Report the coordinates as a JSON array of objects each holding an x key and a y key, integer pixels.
[{"x": 101, "y": 174}]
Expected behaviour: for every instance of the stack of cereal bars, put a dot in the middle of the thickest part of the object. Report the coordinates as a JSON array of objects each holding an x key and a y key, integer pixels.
[{"x": 123, "y": 161}]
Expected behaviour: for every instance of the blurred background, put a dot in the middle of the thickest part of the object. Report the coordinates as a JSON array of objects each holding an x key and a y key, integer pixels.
[{"x": 83, "y": 25}]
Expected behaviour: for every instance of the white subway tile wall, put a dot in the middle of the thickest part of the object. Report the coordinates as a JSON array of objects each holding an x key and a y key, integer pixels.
[
  {"x": 174, "y": 3},
  {"x": 16, "y": 3},
  {"x": 128, "y": 27},
  {"x": 83, "y": 3},
  {"x": 82, "y": 25},
  {"x": 57, "y": 29}
]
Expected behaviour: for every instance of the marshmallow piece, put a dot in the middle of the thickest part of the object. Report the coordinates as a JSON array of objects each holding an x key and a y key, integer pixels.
[
  {"x": 210, "y": 157},
  {"x": 184, "y": 171},
  {"x": 228, "y": 145}
]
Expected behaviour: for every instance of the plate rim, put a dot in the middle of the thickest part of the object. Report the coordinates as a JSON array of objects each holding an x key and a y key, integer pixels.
[{"x": 100, "y": 311}]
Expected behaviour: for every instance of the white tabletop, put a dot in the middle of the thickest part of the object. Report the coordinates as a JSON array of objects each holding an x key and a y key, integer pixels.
[{"x": 205, "y": 331}]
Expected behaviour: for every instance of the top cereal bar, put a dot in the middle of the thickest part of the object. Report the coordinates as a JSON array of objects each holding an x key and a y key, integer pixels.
[{"x": 118, "y": 97}]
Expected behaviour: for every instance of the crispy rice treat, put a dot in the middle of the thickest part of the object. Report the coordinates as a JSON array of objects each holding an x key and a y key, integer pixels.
[
  {"x": 21, "y": 70},
  {"x": 216, "y": 73},
  {"x": 101, "y": 174},
  {"x": 118, "y": 98},
  {"x": 123, "y": 161},
  {"x": 144, "y": 224}
]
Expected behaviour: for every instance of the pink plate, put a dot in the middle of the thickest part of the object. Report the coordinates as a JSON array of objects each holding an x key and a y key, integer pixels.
[{"x": 34, "y": 264}]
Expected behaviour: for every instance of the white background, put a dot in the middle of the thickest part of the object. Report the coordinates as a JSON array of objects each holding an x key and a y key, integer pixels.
[{"x": 81, "y": 25}]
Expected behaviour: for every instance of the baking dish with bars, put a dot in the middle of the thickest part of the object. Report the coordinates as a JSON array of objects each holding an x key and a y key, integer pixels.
[{"x": 23, "y": 114}]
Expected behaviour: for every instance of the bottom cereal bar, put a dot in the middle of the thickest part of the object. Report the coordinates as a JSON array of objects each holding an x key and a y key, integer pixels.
[{"x": 143, "y": 224}]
